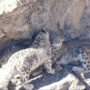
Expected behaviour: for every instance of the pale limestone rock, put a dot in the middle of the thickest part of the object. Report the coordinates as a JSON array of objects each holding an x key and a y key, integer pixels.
[
  {"x": 8, "y": 5},
  {"x": 69, "y": 82},
  {"x": 88, "y": 81}
]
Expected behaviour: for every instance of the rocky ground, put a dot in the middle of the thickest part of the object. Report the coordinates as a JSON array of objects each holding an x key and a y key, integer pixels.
[{"x": 20, "y": 20}]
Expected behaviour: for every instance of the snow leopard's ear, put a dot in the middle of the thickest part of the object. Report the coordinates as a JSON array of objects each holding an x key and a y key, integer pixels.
[{"x": 43, "y": 30}]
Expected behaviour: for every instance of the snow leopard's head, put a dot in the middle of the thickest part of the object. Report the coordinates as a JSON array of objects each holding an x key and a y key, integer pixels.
[{"x": 42, "y": 39}]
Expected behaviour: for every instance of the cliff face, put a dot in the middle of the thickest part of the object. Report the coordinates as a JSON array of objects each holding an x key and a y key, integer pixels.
[{"x": 21, "y": 19}]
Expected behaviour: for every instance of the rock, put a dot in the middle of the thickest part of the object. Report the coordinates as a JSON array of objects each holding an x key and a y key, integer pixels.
[
  {"x": 69, "y": 82},
  {"x": 8, "y": 5},
  {"x": 19, "y": 19},
  {"x": 88, "y": 81}
]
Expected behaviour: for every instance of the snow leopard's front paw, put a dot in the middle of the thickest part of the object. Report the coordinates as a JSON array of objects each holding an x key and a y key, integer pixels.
[{"x": 28, "y": 86}]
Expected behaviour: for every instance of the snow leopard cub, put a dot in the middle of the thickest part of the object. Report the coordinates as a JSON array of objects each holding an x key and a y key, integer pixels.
[
  {"x": 27, "y": 60},
  {"x": 84, "y": 58}
]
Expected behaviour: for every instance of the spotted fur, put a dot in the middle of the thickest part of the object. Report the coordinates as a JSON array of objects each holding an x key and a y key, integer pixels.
[
  {"x": 84, "y": 58},
  {"x": 27, "y": 60}
]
